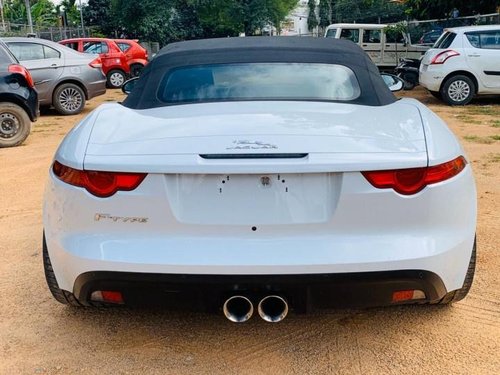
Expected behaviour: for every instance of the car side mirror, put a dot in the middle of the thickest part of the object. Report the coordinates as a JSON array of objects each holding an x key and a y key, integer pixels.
[
  {"x": 129, "y": 85},
  {"x": 393, "y": 83}
]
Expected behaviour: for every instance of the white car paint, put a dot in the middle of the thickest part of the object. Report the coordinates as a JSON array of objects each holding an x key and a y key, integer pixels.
[{"x": 318, "y": 214}]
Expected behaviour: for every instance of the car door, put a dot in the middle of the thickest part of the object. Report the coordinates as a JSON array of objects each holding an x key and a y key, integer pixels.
[
  {"x": 350, "y": 34},
  {"x": 99, "y": 47},
  {"x": 44, "y": 63},
  {"x": 482, "y": 53},
  {"x": 394, "y": 48},
  {"x": 372, "y": 44}
]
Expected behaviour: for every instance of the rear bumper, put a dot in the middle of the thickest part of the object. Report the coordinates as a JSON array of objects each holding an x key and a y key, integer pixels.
[
  {"x": 302, "y": 291},
  {"x": 430, "y": 78},
  {"x": 96, "y": 88}
]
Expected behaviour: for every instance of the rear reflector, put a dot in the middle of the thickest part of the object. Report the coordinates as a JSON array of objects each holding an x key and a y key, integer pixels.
[
  {"x": 407, "y": 295},
  {"x": 411, "y": 181},
  {"x": 15, "y": 68},
  {"x": 107, "y": 296},
  {"x": 98, "y": 183}
]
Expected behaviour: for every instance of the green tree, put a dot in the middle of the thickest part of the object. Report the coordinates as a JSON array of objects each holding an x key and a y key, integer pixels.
[
  {"x": 312, "y": 20},
  {"x": 325, "y": 12},
  {"x": 98, "y": 13},
  {"x": 430, "y": 9}
]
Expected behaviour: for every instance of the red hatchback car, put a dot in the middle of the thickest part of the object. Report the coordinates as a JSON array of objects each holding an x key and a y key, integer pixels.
[
  {"x": 114, "y": 61},
  {"x": 137, "y": 56}
]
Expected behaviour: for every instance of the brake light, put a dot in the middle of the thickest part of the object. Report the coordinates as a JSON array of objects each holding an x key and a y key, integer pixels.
[
  {"x": 441, "y": 57},
  {"x": 100, "y": 184},
  {"x": 96, "y": 63},
  {"x": 411, "y": 181},
  {"x": 19, "y": 69}
]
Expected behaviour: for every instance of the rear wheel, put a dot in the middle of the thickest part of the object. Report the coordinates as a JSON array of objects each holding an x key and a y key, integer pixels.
[
  {"x": 458, "y": 295},
  {"x": 458, "y": 90},
  {"x": 116, "y": 78},
  {"x": 15, "y": 125},
  {"x": 69, "y": 99}
]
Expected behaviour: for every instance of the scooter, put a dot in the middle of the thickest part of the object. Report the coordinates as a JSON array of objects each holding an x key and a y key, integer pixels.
[{"x": 407, "y": 70}]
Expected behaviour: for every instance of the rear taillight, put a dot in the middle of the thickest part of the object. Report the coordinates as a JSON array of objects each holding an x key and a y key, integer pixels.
[
  {"x": 441, "y": 57},
  {"x": 14, "y": 68},
  {"x": 411, "y": 181},
  {"x": 98, "y": 183},
  {"x": 96, "y": 63}
]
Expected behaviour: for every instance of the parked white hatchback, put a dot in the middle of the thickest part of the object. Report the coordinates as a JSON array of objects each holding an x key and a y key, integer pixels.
[{"x": 464, "y": 62}]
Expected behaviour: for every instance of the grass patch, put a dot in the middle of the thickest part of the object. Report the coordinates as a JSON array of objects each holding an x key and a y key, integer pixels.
[
  {"x": 495, "y": 137},
  {"x": 468, "y": 119},
  {"x": 478, "y": 139},
  {"x": 495, "y": 123},
  {"x": 486, "y": 110},
  {"x": 493, "y": 158}
]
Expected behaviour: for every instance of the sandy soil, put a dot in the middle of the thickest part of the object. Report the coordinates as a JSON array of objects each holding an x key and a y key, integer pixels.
[{"x": 38, "y": 335}]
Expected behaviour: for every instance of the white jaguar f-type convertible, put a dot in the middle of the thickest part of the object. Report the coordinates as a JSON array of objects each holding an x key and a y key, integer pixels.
[{"x": 259, "y": 176}]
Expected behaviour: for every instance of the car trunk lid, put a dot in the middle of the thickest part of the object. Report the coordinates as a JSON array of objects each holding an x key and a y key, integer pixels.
[{"x": 257, "y": 137}]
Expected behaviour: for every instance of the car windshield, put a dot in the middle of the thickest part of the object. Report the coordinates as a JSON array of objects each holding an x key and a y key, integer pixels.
[
  {"x": 259, "y": 81},
  {"x": 445, "y": 40},
  {"x": 330, "y": 33}
]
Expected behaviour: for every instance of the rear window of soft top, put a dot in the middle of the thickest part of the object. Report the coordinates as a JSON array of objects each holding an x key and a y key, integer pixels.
[{"x": 259, "y": 81}]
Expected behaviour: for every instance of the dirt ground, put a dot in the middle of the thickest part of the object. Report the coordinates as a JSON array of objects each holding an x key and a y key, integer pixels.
[{"x": 38, "y": 335}]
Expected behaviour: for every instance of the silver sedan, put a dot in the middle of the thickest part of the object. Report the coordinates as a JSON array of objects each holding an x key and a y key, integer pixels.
[{"x": 63, "y": 77}]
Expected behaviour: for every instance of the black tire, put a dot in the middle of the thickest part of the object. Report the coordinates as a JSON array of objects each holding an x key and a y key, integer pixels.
[
  {"x": 436, "y": 94},
  {"x": 116, "y": 78},
  {"x": 15, "y": 125},
  {"x": 136, "y": 70},
  {"x": 68, "y": 99},
  {"x": 458, "y": 295},
  {"x": 458, "y": 90},
  {"x": 60, "y": 295}
]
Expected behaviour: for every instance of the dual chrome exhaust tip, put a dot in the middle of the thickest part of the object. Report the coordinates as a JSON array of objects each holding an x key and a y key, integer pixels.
[{"x": 239, "y": 309}]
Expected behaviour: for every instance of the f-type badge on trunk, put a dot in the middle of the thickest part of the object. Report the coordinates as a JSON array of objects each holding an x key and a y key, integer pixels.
[{"x": 243, "y": 144}]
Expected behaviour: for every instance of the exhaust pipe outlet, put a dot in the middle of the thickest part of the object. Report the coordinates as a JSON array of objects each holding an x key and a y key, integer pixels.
[
  {"x": 238, "y": 309},
  {"x": 273, "y": 309}
]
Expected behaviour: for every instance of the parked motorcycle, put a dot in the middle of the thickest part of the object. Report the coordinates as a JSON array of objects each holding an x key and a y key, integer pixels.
[{"x": 407, "y": 70}]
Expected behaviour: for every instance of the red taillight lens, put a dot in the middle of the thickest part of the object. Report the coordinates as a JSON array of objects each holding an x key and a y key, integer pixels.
[
  {"x": 440, "y": 58},
  {"x": 14, "y": 68},
  {"x": 100, "y": 184},
  {"x": 411, "y": 181},
  {"x": 96, "y": 63}
]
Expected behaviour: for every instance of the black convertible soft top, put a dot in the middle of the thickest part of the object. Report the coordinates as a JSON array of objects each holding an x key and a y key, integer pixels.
[{"x": 374, "y": 91}]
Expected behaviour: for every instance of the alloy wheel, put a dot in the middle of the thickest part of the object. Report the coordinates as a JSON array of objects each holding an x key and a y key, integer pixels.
[
  {"x": 70, "y": 99},
  {"x": 459, "y": 90}
]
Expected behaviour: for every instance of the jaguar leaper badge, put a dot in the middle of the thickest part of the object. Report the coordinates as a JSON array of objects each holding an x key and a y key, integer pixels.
[{"x": 243, "y": 144}]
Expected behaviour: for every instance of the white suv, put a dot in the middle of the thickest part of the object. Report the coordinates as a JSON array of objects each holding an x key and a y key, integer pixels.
[{"x": 465, "y": 61}]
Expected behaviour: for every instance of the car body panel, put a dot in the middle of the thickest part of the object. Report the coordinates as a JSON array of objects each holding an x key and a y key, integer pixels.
[
  {"x": 48, "y": 73},
  {"x": 481, "y": 63},
  {"x": 166, "y": 139},
  {"x": 259, "y": 188},
  {"x": 13, "y": 86},
  {"x": 384, "y": 51},
  {"x": 133, "y": 51},
  {"x": 112, "y": 57}
]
